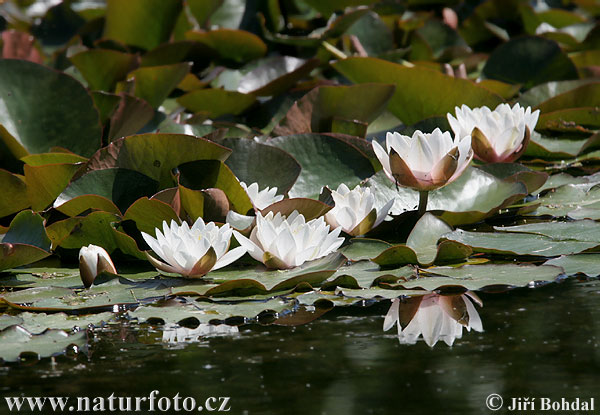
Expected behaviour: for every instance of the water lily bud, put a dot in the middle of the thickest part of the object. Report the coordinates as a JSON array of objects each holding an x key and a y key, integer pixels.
[
  {"x": 435, "y": 317},
  {"x": 280, "y": 242},
  {"x": 261, "y": 198},
  {"x": 354, "y": 210},
  {"x": 93, "y": 259},
  {"x": 424, "y": 161},
  {"x": 498, "y": 136},
  {"x": 192, "y": 252}
]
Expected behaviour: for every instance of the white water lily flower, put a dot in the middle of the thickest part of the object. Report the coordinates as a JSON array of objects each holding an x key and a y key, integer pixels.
[
  {"x": 437, "y": 318},
  {"x": 192, "y": 252},
  {"x": 545, "y": 28},
  {"x": 261, "y": 198},
  {"x": 354, "y": 210},
  {"x": 424, "y": 161},
  {"x": 501, "y": 135},
  {"x": 94, "y": 259},
  {"x": 280, "y": 242}
]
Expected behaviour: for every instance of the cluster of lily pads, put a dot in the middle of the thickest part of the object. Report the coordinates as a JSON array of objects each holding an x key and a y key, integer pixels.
[{"x": 288, "y": 160}]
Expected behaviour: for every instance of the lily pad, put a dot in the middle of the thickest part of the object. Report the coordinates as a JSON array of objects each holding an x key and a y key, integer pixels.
[
  {"x": 28, "y": 228},
  {"x": 204, "y": 311},
  {"x": 515, "y": 172},
  {"x": 154, "y": 83},
  {"x": 103, "y": 68},
  {"x": 477, "y": 277},
  {"x": 231, "y": 45},
  {"x": 207, "y": 174},
  {"x": 539, "y": 60},
  {"x": 141, "y": 23},
  {"x": 417, "y": 89},
  {"x": 121, "y": 186},
  {"x": 275, "y": 75},
  {"x": 309, "y": 208},
  {"x": 472, "y": 197},
  {"x": 14, "y": 192},
  {"x": 37, "y": 323},
  {"x": 324, "y": 108},
  {"x": 43, "y": 108},
  {"x": 569, "y": 200},
  {"x": 520, "y": 244},
  {"x": 588, "y": 264},
  {"x": 149, "y": 214},
  {"x": 254, "y": 162},
  {"x": 364, "y": 248},
  {"x": 151, "y": 154},
  {"x": 345, "y": 163},
  {"x": 45, "y": 183},
  {"x": 422, "y": 246},
  {"x": 216, "y": 102},
  {"x": 16, "y": 340}
]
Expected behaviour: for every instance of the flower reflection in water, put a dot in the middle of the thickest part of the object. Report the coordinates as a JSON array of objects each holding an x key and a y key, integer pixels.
[
  {"x": 435, "y": 317},
  {"x": 174, "y": 334}
]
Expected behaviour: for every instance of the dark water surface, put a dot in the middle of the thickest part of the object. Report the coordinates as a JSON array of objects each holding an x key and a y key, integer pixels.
[{"x": 537, "y": 343}]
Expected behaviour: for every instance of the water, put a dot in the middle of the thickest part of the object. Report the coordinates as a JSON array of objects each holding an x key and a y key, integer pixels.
[{"x": 537, "y": 343}]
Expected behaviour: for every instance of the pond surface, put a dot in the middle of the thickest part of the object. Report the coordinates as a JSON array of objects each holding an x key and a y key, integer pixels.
[{"x": 537, "y": 343}]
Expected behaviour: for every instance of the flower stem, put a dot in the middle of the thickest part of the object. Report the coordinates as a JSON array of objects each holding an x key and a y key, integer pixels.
[{"x": 423, "y": 196}]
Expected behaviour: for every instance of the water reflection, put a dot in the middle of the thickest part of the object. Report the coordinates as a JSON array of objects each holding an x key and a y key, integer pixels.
[
  {"x": 174, "y": 334},
  {"x": 434, "y": 317}
]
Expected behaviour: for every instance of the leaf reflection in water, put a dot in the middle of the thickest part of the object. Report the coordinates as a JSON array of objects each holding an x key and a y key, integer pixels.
[
  {"x": 435, "y": 317},
  {"x": 173, "y": 334}
]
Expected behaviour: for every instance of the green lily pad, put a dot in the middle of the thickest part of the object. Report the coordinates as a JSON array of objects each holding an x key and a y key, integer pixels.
[
  {"x": 275, "y": 75},
  {"x": 587, "y": 95},
  {"x": 579, "y": 230},
  {"x": 149, "y": 214},
  {"x": 205, "y": 312},
  {"x": 309, "y": 208},
  {"x": 345, "y": 163},
  {"x": 515, "y": 172},
  {"x": 588, "y": 264},
  {"x": 336, "y": 27},
  {"x": 37, "y": 323},
  {"x": 42, "y": 159},
  {"x": 577, "y": 120},
  {"x": 216, "y": 102},
  {"x": 103, "y": 294},
  {"x": 141, "y": 23},
  {"x": 45, "y": 183},
  {"x": 151, "y": 154},
  {"x": 246, "y": 282},
  {"x": 129, "y": 116},
  {"x": 96, "y": 228},
  {"x": 364, "y": 248},
  {"x": 417, "y": 89},
  {"x": 14, "y": 192},
  {"x": 254, "y": 162},
  {"x": 543, "y": 92},
  {"x": 43, "y": 108},
  {"x": 365, "y": 274},
  {"x": 231, "y": 45},
  {"x": 422, "y": 246},
  {"x": 521, "y": 244},
  {"x": 477, "y": 277},
  {"x": 121, "y": 186},
  {"x": 207, "y": 174},
  {"x": 16, "y": 340},
  {"x": 103, "y": 68},
  {"x": 154, "y": 83},
  {"x": 569, "y": 200},
  {"x": 28, "y": 228},
  {"x": 539, "y": 60},
  {"x": 324, "y": 108},
  {"x": 82, "y": 204},
  {"x": 472, "y": 197}
]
